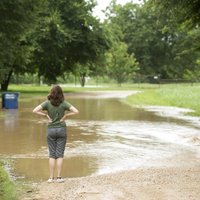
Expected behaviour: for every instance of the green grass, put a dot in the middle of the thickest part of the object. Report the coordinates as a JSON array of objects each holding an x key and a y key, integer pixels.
[
  {"x": 28, "y": 89},
  {"x": 7, "y": 187},
  {"x": 182, "y": 95},
  {"x": 36, "y": 89}
]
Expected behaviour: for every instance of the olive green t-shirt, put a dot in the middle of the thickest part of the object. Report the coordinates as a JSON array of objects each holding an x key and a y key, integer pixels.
[{"x": 56, "y": 113}]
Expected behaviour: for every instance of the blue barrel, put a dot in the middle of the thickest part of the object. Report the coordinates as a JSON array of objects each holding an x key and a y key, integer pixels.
[{"x": 10, "y": 100}]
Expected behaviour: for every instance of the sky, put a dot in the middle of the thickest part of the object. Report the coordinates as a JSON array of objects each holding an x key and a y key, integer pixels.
[{"x": 102, "y": 4}]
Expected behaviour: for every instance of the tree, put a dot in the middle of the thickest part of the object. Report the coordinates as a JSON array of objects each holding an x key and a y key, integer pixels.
[
  {"x": 81, "y": 71},
  {"x": 182, "y": 10},
  {"x": 67, "y": 35},
  {"x": 160, "y": 44},
  {"x": 121, "y": 66},
  {"x": 17, "y": 19},
  {"x": 47, "y": 37}
]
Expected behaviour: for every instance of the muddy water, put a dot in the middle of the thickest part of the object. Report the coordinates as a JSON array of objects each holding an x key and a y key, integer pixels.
[{"x": 106, "y": 136}]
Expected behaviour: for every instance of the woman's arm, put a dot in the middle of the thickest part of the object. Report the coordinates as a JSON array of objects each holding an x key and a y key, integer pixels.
[
  {"x": 38, "y": 110},
  {"x": 72, "y": 111}
]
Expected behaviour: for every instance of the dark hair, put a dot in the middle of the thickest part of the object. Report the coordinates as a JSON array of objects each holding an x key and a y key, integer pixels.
[{"x": 56, "y": 95}]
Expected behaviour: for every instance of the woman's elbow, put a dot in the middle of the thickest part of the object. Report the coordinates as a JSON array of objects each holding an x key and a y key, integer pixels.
[
  {"x": 76, "y": 111},
  {"x": 36, "y": 109}
]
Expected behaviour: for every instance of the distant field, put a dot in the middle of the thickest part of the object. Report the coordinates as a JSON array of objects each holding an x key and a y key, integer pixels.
[{"x": 73, "y": 88}]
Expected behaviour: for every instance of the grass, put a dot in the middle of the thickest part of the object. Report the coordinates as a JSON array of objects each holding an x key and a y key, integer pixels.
[
  {"x": 182, "y": 95},
  {"x": 36, "y": 89},
  {"x": 7, "y": 187}
]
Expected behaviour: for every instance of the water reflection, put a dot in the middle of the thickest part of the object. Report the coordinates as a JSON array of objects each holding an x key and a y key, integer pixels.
[
  {"x": 72, "y": 167},
  {"x": 108, "y": 135}
]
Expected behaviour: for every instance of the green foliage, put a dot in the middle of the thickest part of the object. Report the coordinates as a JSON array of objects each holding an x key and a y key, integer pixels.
[
  {"x": 67, "y": 35},
  {"x": 181, "y": 10},
  {"x": 160, "y": 44},
  {"x": 121, "y": 66},
  {"x": 7, "y": 188},
  {"x": 17, "y": 20},
  {"x": 48, "y": 37},
  {"x": 51, "y": 38},
  {"x": 193, "y": 75}
]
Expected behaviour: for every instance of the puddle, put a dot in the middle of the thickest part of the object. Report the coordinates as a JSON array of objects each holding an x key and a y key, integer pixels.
[{"x": 106, "y": 136}]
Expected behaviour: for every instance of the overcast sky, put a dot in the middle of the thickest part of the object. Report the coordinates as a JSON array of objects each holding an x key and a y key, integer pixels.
[{"x": 102, "y": 4}]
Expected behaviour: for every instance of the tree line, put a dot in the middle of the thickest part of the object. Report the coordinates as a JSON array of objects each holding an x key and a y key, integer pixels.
[{"x": 52, "y": 38}]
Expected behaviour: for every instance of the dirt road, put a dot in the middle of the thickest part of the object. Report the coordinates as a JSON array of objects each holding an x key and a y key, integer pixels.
[{"x": 142, "y": 184}]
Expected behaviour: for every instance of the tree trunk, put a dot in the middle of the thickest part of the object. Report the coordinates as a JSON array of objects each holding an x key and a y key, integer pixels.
[
  {"x": 82, "y": 79},
  {"x": 6, "y": 80}
]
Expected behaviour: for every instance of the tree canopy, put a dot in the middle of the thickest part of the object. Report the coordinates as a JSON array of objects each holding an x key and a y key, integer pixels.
[
  {"x": 182, "y": 10},
  {"x": 16, "y": 21},
  {"x": 64, "y": 33},
  {"x": 55, "y": 37},
  {"x": 161, "y": 45},
  {"x": 68, "y": 35}
]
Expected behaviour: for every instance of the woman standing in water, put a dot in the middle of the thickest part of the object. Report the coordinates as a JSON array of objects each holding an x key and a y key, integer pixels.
[{"x": 54, "y": 109}]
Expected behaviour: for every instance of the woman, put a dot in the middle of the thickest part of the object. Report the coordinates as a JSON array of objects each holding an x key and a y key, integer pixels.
[{"x": 54, "y": 109}]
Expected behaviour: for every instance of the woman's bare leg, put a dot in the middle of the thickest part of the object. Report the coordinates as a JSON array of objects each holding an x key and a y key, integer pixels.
[
  {"x": 52, "y": 163},
  {"x": 59, "y": 163}
]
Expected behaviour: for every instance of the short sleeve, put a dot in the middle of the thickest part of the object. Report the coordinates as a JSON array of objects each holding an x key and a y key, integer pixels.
[
  {"x": 44, "y": 105},
  {"x": 67, "y": 105}
]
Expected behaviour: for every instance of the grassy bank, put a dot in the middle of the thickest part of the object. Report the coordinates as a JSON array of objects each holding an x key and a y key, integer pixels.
[
  {"x": 178, "y": 95},
  {"x": 7, "y": 187}
]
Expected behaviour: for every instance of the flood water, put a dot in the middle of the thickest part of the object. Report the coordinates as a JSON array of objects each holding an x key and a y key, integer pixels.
[{"x": 106, "y": 136}]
